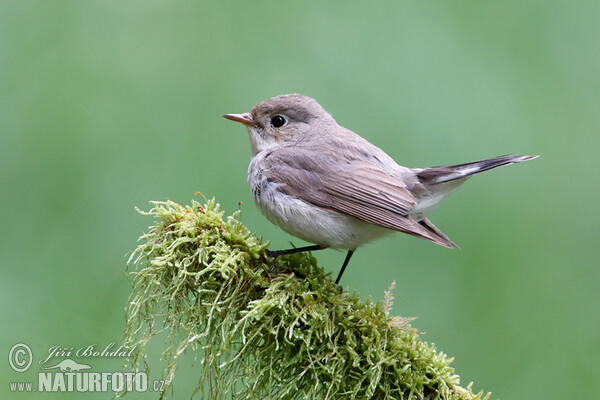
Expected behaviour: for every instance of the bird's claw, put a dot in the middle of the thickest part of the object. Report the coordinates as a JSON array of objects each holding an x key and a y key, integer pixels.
[{"x": 274, "y": 255}]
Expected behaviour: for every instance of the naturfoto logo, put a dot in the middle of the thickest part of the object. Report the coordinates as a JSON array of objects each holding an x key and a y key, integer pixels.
[{"x": 68, "y": 375}]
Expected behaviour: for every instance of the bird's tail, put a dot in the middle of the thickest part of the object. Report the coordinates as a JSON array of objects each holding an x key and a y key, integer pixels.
[{"x": 448, "y": 173}]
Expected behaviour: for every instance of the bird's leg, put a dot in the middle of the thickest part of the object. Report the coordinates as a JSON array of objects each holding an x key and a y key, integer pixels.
[
  {"x": 346, "y": 261},
  {"x": 278, "y": 253}
]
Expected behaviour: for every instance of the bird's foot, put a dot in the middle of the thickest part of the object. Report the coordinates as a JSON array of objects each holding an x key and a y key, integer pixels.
[{"x": 274, "y": 255}]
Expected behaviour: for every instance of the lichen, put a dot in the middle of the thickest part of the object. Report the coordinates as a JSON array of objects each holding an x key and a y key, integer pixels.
[{"x": 286, "y": 333}]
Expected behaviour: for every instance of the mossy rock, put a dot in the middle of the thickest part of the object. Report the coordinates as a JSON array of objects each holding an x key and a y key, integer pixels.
[{"x": 287, "y": 333}]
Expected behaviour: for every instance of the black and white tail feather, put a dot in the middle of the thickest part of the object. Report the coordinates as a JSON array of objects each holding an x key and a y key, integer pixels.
[
  {"x": 444, "y": 180},
  {"x": 449, "y": 173}
]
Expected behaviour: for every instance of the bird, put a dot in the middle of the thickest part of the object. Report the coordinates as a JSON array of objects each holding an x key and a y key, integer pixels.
[{"x": 327, "y": 185}]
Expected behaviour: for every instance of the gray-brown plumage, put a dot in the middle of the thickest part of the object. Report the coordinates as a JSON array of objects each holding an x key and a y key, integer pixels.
[{"x": 327, "y": 185}]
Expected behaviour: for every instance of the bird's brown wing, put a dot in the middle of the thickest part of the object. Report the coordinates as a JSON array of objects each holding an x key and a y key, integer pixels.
[{"x": 356, "y": 188}]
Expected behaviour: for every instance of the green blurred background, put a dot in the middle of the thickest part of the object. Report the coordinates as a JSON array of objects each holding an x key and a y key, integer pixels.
[{"x": 106, "y": 105}]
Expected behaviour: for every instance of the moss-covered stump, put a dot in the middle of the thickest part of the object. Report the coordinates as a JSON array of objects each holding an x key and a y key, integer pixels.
[{"x": 289, "y": 333}]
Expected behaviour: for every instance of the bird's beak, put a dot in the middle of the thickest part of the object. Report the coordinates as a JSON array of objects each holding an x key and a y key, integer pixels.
[{"x": 244, "y": 118}]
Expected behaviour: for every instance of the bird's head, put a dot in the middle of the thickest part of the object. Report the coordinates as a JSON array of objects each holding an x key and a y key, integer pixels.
[{"x": 281, "y": 119}]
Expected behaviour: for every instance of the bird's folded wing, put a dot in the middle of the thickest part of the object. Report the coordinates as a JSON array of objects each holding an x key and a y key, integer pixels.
[{"x": 356, "y": 188}]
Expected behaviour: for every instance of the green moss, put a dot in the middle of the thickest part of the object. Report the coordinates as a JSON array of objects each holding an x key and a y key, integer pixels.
[{"x": 285, "y": 334}]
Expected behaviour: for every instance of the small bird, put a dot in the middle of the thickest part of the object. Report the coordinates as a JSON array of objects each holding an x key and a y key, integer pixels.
[{"x": 325, "y": 184}]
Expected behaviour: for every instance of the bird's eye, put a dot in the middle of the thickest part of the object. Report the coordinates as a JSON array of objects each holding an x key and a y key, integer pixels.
[{"x": 277, "y": 121}]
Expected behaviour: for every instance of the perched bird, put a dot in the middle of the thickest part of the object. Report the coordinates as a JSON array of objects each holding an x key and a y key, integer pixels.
[{"x": 327, "y": 185}]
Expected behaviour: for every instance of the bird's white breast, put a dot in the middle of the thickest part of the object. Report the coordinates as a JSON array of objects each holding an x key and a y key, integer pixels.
[{"x": 306, "y": 221}]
